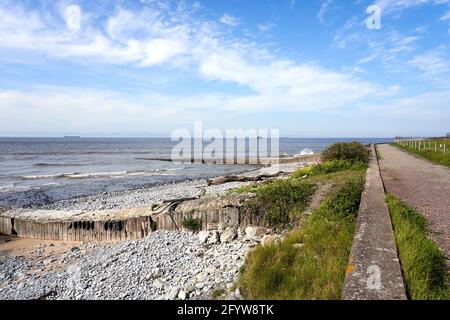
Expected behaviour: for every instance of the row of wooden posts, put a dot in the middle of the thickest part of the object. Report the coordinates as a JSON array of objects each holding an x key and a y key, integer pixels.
[{"x": 423, "y": 145}]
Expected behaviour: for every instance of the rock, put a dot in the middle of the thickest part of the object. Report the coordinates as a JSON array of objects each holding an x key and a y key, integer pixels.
[
  {"x": 203, "y": 236},
  {"x": 200, "y": 277},
  {"x": 182, "y": 295},
  {"x": 189, "y": 289},
  {"x": 214, "y": 238},
  {"x": 229, "y": 285},
  {"x": 48, "y": 261},
  {"x": 228, "y": 235},
  {"x": 153, "y": 274},
  {"x": 211, "y": 270},
  {"x": 159, "y": 284},
  {"x": 173, "y": 293},
  {"x": 199, "y": 285},
  {"x": 298, "y": 245},
  {"x": 269, "y": 239},
  {"x": 221, "y": 228},
  {"x": 255, "y": 232}
]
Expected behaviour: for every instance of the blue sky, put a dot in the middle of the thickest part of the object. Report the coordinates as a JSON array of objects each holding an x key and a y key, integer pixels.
[{"x": 310, "y": 68}]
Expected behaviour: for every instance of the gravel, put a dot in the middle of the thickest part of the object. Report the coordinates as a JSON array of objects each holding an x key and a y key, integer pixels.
[
  {"x": 164, "y": 265},
  {"x": 423, "y": 185},
  {"x": 140, "y": 197}
]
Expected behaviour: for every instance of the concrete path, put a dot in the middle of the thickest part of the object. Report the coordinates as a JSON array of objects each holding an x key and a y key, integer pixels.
[
  {"x": 423, "y": 185},
  {"x": 374, "y": 270}
]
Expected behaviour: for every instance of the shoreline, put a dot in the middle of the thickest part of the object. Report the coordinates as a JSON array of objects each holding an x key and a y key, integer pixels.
[
  {"x": 164, "y": 265},
  {"x": 134, "y": 197}
]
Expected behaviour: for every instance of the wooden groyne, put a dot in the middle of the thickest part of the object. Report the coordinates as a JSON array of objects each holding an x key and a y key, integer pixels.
[
  {"x": 123, "y": 224},
  {"x": 242, "y": 160}
]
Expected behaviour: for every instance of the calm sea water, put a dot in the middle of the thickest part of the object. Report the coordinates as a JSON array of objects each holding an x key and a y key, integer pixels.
[{"x": 90, "y": 165}]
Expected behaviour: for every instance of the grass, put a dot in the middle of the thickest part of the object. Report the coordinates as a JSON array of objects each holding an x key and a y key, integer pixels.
[
  {"x": 218, "y": 293},
  {"x": 329, "y": 167},
  {"x": 429, "y": 152},
  {"x": 280, "y": 202},
  {"x": 277, "y": 202},
  {"x": 423, "y": 263},
  {"x": 317, "y": 269}
]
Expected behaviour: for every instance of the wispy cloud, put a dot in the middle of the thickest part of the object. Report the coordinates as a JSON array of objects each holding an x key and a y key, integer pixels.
[
  {"x": 157, "y": 37},
  {"x": 393, "y": 6},
  {"x": 446, "y": 16},
  {"x": 325, "y": 7},
  {"x": 229, "y": 20},
  {"x": 265, "y": 27},
  {"x": 432, "y": 63}
]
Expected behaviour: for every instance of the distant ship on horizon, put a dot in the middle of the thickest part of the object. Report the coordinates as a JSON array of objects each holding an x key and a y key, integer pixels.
[{"x": 72, "y": 137}]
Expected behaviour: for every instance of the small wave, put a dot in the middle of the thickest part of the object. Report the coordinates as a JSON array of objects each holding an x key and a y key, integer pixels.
[
  {"x": 44, "y": 164},
  {"x": 14, "y": 187},
  {"x": 89, "y": 175},
  {"x": 75, "y": 175}
]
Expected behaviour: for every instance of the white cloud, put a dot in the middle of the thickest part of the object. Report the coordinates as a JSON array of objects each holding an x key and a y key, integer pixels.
[
  {"x": 157, "y": 37},
  {"x": 396, "y": 6},
  {"x": 229, "y": 20},
  {"x": 265, "y": 27},
  {"x": 446, "y": 16},
  {"x": 72, "y": 15},
  {"x": 431, "y": 63}
]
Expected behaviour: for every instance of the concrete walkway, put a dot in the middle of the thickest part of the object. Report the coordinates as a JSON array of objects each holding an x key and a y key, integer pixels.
[
  {"x": 374, "y": 270},
  {"x": 423, "y": 185}
]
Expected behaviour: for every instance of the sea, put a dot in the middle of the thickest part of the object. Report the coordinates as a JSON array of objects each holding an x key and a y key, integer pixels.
[{"x": 77, "y": 166}]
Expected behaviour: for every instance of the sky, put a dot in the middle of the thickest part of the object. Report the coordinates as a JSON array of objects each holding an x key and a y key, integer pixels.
[{"x": 310, "y": 68}]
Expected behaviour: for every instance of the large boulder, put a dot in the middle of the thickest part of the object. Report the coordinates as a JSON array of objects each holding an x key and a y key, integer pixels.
[
  {"x": 228, "y": 235},
  {"x": 203, "y": 236},
  {"x": 214, "y": 237},
  {"x": 269, "y": 239},
  {"x": 255, "y": 233}
]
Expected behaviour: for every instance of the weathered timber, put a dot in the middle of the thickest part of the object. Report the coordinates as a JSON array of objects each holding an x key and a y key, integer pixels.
[{"x": 227, "y": 179}]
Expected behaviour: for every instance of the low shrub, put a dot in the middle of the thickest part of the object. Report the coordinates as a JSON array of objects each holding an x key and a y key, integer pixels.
[
  {"x": 192, "y": 224},
  {"x": 352, "y": 151},
  {"x": 277, "y": 201}
]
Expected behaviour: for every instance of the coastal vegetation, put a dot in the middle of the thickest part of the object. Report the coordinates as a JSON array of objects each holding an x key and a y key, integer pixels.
[
  {"x": 310, "y": 262},
  {"x": 435, "y": 150},
  {"x": 278, "y": 202},
  {"x": 192, "y": 224},
  {"x": 423, "y": 263},
  {"x": 352, "y": 151}
]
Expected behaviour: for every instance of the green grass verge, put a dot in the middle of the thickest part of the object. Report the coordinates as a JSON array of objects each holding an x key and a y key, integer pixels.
[
  {"x": 429, "y": 153},
  {"x": 280, "y": 202},
  {"x": 329, "y": 167},
  {"x": 316, "y": 270},
  {"x": 423, "y": 263}
]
